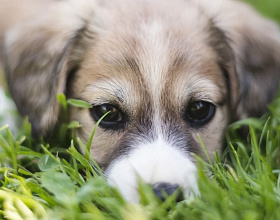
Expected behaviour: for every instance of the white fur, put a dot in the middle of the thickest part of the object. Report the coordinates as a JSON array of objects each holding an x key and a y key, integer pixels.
[
  {"x": 153, "y": 163},
  {"x": 155, "y": 58}
]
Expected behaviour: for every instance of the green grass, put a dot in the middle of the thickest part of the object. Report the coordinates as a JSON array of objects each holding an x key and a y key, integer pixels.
[{"x": 52, "y": 180}]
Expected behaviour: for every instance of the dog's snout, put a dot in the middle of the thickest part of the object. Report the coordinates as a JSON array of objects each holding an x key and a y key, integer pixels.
[{"x": 163, "y": 189}]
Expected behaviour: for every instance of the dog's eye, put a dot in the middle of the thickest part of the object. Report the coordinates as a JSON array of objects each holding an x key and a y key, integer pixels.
[
  {"x": 113, "y": 120},
  {"x": 199, "y": 113}
]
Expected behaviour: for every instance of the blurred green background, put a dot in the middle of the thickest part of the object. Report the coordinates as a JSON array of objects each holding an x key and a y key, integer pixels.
[{"x": 270, "y": 8}]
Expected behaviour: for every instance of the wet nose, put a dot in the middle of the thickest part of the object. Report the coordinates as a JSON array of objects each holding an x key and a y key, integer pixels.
[{"x": 163, "y": 189}]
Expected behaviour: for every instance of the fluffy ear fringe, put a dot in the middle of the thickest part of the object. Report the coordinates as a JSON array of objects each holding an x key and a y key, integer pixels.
[{"x": 36, "y": 59}]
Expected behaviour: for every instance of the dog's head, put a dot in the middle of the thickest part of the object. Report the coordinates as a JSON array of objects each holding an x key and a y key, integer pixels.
[{"x": 166, "y": 71}]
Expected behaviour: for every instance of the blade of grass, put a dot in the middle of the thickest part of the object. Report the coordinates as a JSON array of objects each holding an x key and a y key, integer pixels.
[
  {"x": 13, "y": 149},
  {"x": 89, "y": 143},
  {"x": 204, "y": 149},
  {"x": 255, "y": 151}
]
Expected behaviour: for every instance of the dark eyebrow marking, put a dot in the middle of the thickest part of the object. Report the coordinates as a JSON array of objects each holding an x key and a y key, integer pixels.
[
  {"x": 123, "y": 60},
  {"x": 178, "y": 61},
  {"x": 132, "y": 63}
]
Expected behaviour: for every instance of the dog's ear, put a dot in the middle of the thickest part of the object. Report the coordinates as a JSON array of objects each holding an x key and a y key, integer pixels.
[
  {"x": 38, "y": 53},
  {"x": 255, "y": 42}
]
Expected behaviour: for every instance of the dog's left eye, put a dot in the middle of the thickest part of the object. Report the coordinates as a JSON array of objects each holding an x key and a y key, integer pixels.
[
  {"x": 113, "y": 120},
  {"x": 199, "y": 113}
]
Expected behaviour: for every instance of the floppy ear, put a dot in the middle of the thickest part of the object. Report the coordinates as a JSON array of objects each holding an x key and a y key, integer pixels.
[
  {"x": 255, "y": 42},
  {"x": 38, "y": 54}
]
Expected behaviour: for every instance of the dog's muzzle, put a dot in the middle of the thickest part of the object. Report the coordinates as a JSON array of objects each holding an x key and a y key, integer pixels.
[{"x": 165, "y": 167}]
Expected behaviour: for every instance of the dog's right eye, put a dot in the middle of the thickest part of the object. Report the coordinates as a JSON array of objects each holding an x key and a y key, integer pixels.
[
  {"x": 113, "y": 120},
  {"x": 199, "y": 113}
]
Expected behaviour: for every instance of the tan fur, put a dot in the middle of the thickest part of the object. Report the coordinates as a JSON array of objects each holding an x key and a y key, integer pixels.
[{"x": 156, "y": 55}]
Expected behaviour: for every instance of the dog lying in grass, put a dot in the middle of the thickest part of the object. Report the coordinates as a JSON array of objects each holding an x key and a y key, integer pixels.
[{"x": 164, "y": 71}]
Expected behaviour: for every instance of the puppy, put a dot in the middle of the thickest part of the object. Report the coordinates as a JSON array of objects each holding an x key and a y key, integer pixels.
[{"x": 166, "y": 71}]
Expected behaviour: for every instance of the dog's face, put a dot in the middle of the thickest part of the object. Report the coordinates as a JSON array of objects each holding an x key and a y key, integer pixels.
[
  {"x": 165, "y": 73},
  {"x": 163, "y": 85}
]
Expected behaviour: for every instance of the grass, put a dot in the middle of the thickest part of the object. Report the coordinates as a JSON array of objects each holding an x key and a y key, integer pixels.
[{"x": 52, "y": 180}]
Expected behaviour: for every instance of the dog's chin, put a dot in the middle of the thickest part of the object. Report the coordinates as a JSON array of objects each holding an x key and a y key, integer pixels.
[{"x": 154, "y": 163}]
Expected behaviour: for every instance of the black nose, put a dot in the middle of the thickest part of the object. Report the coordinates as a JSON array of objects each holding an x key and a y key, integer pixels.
[{"x": 163, "y": 189}]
